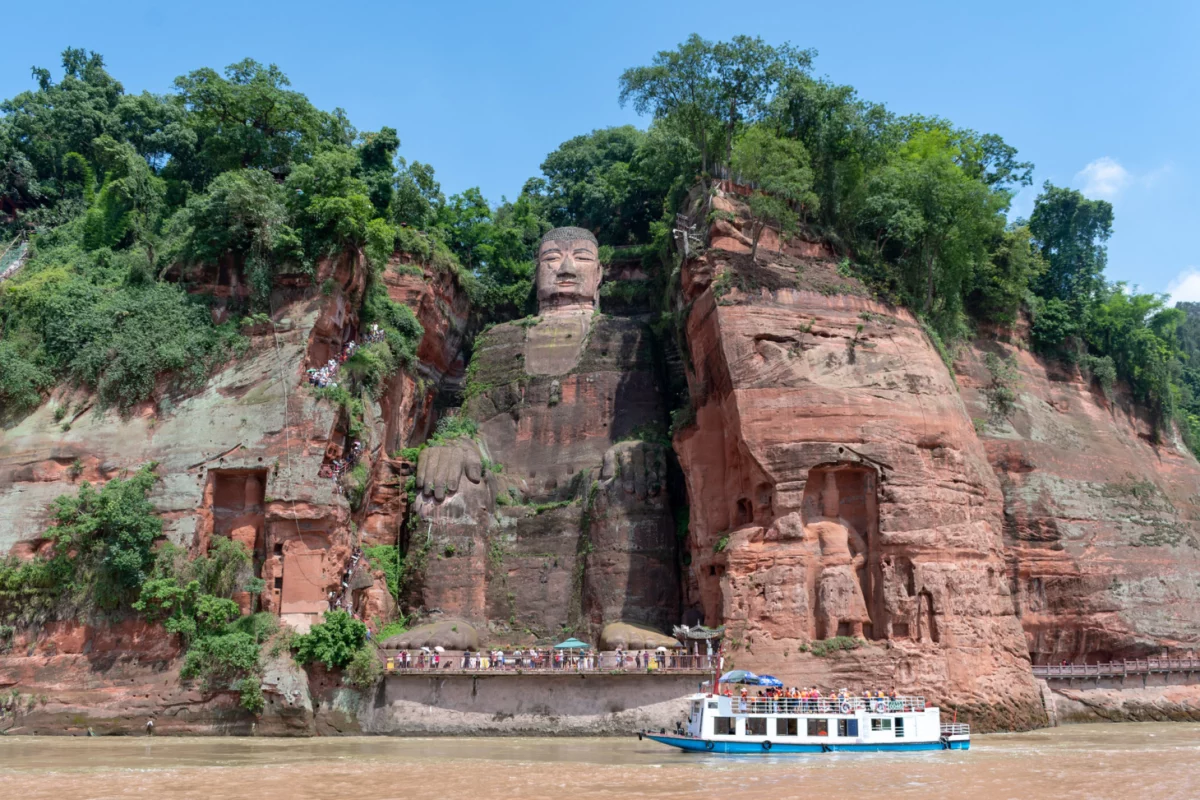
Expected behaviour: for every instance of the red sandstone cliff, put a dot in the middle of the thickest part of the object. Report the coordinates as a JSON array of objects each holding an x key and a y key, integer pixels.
[
  {"x": 817, "y": 409},
  {"x": 1099, "y": 519},
  {"x": 840, "y": 482},
  {"x": 245, "y": 457}
]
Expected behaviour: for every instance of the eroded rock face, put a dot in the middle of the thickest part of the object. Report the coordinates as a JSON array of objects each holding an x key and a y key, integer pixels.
[
  {"x": 836, "y": 482},
  {"x": 247, "y": 458},
  {"x": 1100, "y": 521}
]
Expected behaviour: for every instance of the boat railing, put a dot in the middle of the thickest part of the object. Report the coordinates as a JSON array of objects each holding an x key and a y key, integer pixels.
[
  {"x": 955, "y": 729},
  {"x": 827, "y": 705}
]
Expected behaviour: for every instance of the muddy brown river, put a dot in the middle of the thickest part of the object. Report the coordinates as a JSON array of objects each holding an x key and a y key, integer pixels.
[{"x": 1082, "y": 761}]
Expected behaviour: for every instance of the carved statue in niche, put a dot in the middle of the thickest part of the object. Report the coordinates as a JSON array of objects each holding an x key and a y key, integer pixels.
[
  {"x": 840, "y": 599},
  {"x": 565, "y": 395},
  {"x": 898, "y": 603}
]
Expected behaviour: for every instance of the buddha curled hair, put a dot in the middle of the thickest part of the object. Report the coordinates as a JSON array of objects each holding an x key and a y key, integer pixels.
[{"x": 568, "y": 234}]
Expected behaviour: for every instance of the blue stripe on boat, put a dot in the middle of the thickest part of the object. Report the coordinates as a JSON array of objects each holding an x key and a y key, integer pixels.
[{"x": 745, "y": 748}]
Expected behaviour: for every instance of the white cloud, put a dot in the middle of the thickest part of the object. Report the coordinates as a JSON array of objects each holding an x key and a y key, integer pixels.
[
  {"x": 1104, "y": 177},
  {"x": 1185, "y": 286},
  {"x": 1157, "y": 176}
]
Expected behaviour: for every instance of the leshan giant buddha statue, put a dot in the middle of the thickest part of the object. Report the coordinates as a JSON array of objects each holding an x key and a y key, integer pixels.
[{"x": 556, "y": 516}]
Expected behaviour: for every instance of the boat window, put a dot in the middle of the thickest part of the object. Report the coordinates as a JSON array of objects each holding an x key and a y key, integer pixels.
[
  {"x": 847, "y": 727},
  {"x": 786, "y": 727},
  {"x": 713, "y": 704},
  {"x": 756, "y": 726},
  {"x": 899, "y": 727},
  {"x": 881, "y": 724},
  {"x": 723, "y": 726},
  {"x": 818, "y": 727}
]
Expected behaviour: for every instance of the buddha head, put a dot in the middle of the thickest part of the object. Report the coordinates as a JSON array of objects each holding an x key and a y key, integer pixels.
[{"x": 568, "y": 271}]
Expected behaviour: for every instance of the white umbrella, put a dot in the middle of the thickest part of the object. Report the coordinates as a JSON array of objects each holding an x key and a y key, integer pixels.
[
  {"x": 660, "y": 649},
  {"x": 424, "y": 649},
  {"x": 439, "y": 649}
]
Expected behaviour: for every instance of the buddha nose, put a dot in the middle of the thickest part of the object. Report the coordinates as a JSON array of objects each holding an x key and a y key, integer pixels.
[{"x": 567, "y": 270}]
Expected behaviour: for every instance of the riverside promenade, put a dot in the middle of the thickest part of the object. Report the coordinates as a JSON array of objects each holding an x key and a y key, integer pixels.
[{"x": 541, "y": 661}]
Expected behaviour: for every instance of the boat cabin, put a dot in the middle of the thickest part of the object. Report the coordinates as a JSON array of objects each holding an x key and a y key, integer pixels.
[{"x": 767, "y": 721}]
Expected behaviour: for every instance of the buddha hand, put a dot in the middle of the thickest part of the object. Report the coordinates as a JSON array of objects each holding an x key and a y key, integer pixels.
[
  {"x": 639, "y": 468},
  {"x": 441, "y": 468}
]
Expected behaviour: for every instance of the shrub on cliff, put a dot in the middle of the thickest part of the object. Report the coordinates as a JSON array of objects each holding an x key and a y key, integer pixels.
[
  {"x": 185, "y": 610},
  {"x": 219, "y": 661},
  {"x": 103, "y": 539},
  {"x": 386, "y": 558},
  {"x": 364, "y": 669},
  {"x": 332, "y": 642}
]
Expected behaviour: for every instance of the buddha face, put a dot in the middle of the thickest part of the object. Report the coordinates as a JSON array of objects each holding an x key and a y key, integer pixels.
[{"x": 568, "y": 272}]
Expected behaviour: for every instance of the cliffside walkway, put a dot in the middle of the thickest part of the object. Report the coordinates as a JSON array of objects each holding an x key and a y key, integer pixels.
[
  {"x": 607, "y": 663},
  {"x": 1117, "y": 669}
]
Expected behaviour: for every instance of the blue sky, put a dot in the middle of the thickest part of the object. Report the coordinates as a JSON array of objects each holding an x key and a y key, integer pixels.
[{"x": 1101, "y": 96}]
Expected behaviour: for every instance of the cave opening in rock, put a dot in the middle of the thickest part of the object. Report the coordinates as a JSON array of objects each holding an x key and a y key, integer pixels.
[{"x": 236, "y": 498}]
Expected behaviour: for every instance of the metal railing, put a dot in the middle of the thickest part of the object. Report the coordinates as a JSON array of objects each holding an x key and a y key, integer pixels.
[
  {"x": 826, "y": 705},
  {"x": 544, "y": 662},
  {"x": 955, "y": 729},
  {"x": 1116, "y": 669}
]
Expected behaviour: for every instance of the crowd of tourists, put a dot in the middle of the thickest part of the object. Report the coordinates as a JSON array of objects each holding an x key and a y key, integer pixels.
[
  {"x": 810, "y": 693},
  {"x": 338, "y": 467},
  {"x": 342, "y": 599},
  {"x": 326, "y": 376},
  {"x": 545, "y": 659},
  {"x": 792, "y": 699}
]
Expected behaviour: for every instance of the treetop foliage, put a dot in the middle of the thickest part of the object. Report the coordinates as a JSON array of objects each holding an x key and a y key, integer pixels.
[{"x": 239, "y": 169}]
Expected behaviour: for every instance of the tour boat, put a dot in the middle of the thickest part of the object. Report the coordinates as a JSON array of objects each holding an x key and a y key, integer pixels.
[{"x": 743, "y": 725}]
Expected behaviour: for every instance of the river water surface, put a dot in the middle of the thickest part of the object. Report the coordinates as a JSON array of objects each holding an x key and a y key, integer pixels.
[{"x": 1085, "y": 761}]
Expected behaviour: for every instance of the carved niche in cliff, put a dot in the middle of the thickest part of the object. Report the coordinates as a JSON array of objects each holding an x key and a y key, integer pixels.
[
  {"x": 840, "y": 516},
  {"x": 576, "y": 529},
  {"x": 857, "y": 586}
]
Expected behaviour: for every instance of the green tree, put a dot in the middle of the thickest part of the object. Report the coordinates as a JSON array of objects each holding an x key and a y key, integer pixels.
[
  {"x": 417, "y": 196},
  {"x": 65, "y": 117},
  {"x": 248, "y": 118},
  {"x": 679, "y": 85},
  {"x": 1000, "y": 284},
  {"x": 1071, "y": 231},
  {"x": 846, "y": 137},
  {"x": 747, "y": 73},
  {"x": 130, "y": 202},
  {"x": 112, "y": 530},
  {"x": 377, "y": 156},
  {"x": 779, "y": 170},
  {"x": 924, "y": 213},
  {"x": 242, "y": 214},
  {"x": 329, "y": 204},
  {"x": 332, "y": 642}
]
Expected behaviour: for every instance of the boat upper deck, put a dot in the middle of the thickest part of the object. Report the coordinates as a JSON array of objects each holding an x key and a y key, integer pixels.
[{"x": 826, "y": 705}]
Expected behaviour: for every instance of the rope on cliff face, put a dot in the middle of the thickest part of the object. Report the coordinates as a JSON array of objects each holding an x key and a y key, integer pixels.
[{"x": 287, "y": 431}]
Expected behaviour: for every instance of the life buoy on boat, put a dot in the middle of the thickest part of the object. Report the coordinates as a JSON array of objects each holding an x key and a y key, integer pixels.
[
  {"x": 845, "y": 706},
  {"x": 766, "y": 745},
  {"x": 880, "y": 706},
  {"x": 709, "y": 745}
]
